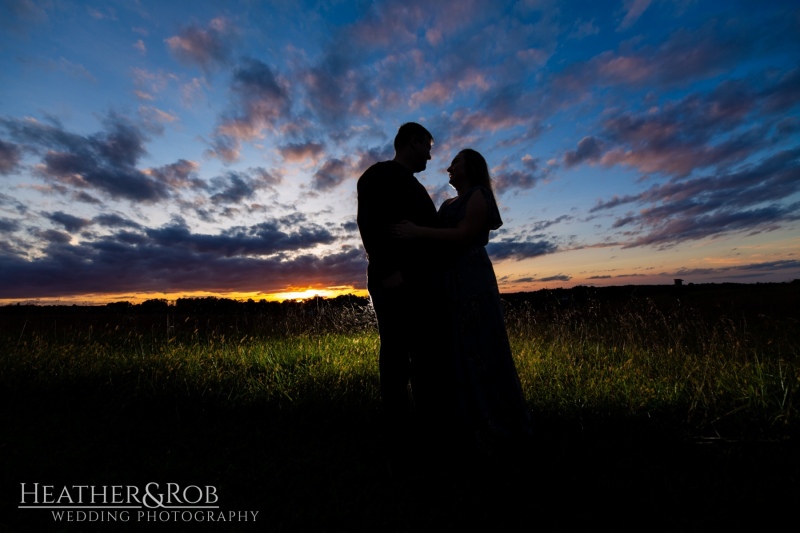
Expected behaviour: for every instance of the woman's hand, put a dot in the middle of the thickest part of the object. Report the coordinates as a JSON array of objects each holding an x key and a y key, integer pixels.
[{"x": 404, "y": 230}]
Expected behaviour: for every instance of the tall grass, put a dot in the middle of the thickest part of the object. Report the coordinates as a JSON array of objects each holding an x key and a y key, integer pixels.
[{"x": 710, "y": 373}]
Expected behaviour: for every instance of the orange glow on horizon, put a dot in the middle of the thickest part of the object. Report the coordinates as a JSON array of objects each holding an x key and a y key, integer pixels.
[{"x": 290, "y": 293}]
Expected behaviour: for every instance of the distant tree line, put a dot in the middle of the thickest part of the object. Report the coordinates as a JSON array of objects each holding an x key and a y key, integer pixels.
[{"x": 209, "y": 305}]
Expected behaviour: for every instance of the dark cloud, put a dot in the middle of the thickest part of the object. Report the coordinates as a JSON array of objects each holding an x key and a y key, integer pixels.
[
  {"x": 753, "y": 198},
  {"x": 54, "y": 237},
  {"x": 788, "y": 267},
  {"x": 83, "y": 196},
  {"x": 519, "y": 250},
  {"x": 8, "y": 225},
  {"x": 265, "y": 238},
  {"x": 115, "y": 221},
  {"x": 721, "y": 128},
  {"x": 179, "y": 175},
  {"x": 589, "y": 149},
  {"x": 544, "y": 224},
  {"x": 105, "y": 161},
  {"x": 506, "y": 178},
  {"x": 784, "y": 94},
  {"x": 10, "y": 156},
  {"x": 266, "y": 178},
  {"x": 332, "y": 173},
  {"x": 370, "y": 156},
  {"x": 697, "y": 226},
  {"x": 233, "y": 188},
  {"x": 174, "y": 260},
  {"x": 71, "y": 223},
  {"x": 205, "y": 47},
  {"x": 514, "y": 179},
  {"x": 12, "y": 203},
  {"x": 558, "y": 277},
  {"x": 333, "y": 90},
  {"x": 624, "y": 221}
]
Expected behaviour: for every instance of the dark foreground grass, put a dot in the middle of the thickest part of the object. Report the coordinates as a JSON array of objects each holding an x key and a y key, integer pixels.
[{"x": 280, "y": 415}]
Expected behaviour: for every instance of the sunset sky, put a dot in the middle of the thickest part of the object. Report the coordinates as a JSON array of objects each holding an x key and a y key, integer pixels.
[{"x": 168, "y": 149}]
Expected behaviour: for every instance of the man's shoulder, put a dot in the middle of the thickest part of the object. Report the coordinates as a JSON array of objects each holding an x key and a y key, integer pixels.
[{"x": 379, "y": 171}]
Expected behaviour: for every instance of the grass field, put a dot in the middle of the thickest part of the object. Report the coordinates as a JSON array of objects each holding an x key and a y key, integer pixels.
[{"x": 656, "y": 410}]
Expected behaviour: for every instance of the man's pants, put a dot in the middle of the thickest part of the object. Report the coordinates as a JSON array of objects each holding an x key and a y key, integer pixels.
[
  {"x": 396, "y": 327},
  {"x": 411, "y": 350}
]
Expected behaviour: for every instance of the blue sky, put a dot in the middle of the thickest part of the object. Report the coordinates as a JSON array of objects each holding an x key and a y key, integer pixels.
[{"x": 167, "y": 149}]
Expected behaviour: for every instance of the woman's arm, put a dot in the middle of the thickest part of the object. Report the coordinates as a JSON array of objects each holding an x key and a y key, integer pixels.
[{"x": 471, "y": 228}]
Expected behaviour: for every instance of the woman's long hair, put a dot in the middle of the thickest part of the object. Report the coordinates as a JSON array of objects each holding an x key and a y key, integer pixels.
[{"x": 477, "y": 169}]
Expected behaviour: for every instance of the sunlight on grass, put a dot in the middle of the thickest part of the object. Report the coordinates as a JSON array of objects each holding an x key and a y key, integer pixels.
[{"x": 635, "y": 360}]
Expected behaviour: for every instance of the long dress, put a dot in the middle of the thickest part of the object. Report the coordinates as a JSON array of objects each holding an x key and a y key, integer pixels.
[{"x": 491, "y": 405}]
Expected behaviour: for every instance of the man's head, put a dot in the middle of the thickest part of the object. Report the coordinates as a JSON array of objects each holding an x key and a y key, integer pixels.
[{"x": 412, "y": 146}]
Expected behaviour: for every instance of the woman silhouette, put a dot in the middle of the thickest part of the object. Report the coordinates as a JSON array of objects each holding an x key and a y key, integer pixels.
[{"x": 489, "y": 402}]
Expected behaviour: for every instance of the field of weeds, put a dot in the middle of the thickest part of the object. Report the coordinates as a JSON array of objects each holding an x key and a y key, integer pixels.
[{"x": 658, "y": 409}]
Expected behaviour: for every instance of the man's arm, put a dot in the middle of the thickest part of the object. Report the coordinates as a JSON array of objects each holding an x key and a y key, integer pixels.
[{"x": 375, "y": 213}]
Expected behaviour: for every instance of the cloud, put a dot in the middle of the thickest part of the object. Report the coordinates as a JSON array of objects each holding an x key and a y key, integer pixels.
[
  {"x": 435, "y": 93},
  {"x": 111, "y": 220},
  {"x": 786, "y": 266},
  {"x": 518, "y": 251},
  {"x": 11, "y": 203},
  {"x": 18, "y": 14},
  {"x": 332, "y": 173},
  {"x": 633, "y": 10},
  {"x": 71, "y": 223},
  {"x": 583, "y": 29},
  {"x": 262, "y": 102},
  {"x": 153, "y": 119},
  {"x": 264, "y": 238},
  {"x": 172, "y": 258},
  {"x": 589, "y": 149},
  {"x": 752, "y": 198},
  {"x": 54, "y": 237},
  {"x": 205, "y": 47},
  {"x": 108, "y": 13},
  {"x": 10, "y": 156},
  {"x": 8, "y": 225},
  {"x": 150, "y": 83},
  {"x": 105, "y": 161},
  {"x": 266, "y": 178},
  {"x": 687, "y": 55},
  {"x": 558, "y": 277},
  {"x": 300, "y": 152},
  {"x": 233, "y": 188},
  {"x": 506, "y": 178},
  {"x": 544, "y": 224},
  {"x": 179, "y": 175},
  {"x": 723, "y": 127},
  {"x": 784, "y": 94}
]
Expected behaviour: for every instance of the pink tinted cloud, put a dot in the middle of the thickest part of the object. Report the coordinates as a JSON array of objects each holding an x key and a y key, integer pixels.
[
  {"x": 261, "y": 102},
  {"x": 686, "y": 56},
  {"x": 633, "y": 10},
  {"x": 203, "y": 46},
  {"x": 435, "y": 93},
  {"x": 302, "y": 152}
]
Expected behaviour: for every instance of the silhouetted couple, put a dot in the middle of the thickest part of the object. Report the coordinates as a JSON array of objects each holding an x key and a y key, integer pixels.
[{"x": 444, "y": 350}]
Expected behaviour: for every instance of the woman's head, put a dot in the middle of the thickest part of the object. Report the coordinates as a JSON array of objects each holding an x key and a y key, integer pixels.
[{"x": 469, "y": 166}]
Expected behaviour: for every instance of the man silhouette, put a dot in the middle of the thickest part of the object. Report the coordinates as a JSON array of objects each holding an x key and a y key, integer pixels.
[{"x": 402, "y": 276}]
